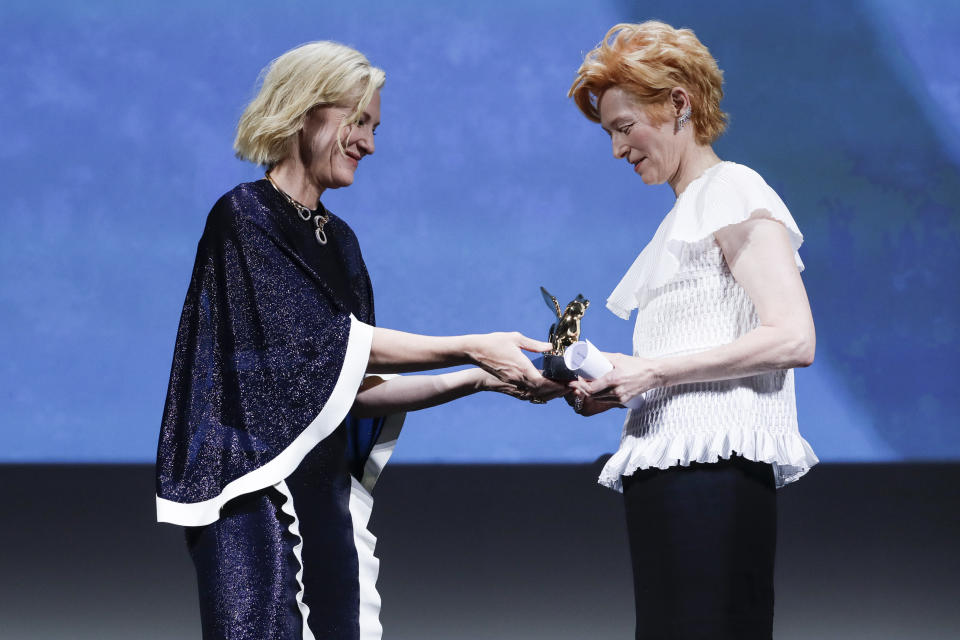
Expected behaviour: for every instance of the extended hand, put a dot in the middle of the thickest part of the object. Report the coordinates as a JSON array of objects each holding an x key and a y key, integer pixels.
[
  {"x": 489, "y": 382},
  {"x": 501, "y": 354},
  {"x": 583, "y": 403},
  {"x": 630, "y": 377}
]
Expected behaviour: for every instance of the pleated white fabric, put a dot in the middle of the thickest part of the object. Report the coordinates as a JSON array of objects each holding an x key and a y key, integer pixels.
[{"x": 688, "y": 301}]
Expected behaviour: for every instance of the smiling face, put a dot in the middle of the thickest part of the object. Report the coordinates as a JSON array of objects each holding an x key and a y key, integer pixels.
[
  {"x": 328, "y": 167},
  {"x": 651, "y": 146}
]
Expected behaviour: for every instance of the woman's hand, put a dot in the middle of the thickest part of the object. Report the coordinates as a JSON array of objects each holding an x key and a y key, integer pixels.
[
  {"x": 380, "y": 396},
  {"x": 630, "y": 377},
  {"x": 578, "y": 398},
  {"x": 501, "y": 354},
  {"x": 488, "y": 382}
]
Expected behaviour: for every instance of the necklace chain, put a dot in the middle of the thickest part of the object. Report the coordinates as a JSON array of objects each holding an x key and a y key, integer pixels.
[{"x": 320, "y": 217}]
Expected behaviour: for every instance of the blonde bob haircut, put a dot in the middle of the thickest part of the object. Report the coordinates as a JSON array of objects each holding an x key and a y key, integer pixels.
[
  {"x": 648, "y": 61},
  {"x": 314, "y": 74}
]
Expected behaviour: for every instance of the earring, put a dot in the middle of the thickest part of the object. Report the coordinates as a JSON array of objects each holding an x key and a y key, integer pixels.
[{"x": 683, "y": 119}]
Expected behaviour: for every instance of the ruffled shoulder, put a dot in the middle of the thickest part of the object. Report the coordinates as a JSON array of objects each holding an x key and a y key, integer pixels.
[{"x": 726, "y": 194}]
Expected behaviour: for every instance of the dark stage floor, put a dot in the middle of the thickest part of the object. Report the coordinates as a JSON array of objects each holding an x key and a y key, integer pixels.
[{"x": 490, "y": 552}]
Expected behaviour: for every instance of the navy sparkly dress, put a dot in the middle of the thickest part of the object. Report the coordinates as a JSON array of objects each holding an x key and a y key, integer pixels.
[{"x": 258, "y": 456}]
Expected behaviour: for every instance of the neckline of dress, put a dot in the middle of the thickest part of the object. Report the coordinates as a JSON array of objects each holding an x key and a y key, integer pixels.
[{"x": 703, "y": 174}]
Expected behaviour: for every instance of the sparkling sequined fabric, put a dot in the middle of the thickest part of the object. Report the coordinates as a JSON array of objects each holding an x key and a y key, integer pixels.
[
  {"x": 261, "y": 344},
  {"x": 261, "y": 341},
  {"x": 247, "y": 569}
]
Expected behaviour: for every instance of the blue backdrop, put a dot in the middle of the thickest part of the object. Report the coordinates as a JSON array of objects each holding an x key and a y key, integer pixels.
[{"x": 117, "y": 121}]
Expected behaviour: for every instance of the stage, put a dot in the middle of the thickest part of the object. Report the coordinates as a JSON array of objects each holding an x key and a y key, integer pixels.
[{"x": 490, "y": 552}]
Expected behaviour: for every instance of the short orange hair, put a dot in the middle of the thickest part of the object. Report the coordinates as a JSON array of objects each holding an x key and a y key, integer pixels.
[{"x": 648, "y": 60}]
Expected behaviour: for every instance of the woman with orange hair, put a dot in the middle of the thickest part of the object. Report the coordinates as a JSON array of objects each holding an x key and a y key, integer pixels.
[{"x": 723, "y": 319}]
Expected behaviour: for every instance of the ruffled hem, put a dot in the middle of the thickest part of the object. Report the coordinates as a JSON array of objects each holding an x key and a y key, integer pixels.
[{"x": 790, "y": 455}]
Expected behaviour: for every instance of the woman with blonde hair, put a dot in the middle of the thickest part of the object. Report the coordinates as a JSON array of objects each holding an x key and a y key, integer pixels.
[
  {"x": 722, "y": 320},
  {"x": 276, "y": 424}
]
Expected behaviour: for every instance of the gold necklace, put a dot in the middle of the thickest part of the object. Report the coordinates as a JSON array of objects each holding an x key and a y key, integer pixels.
[{"x": 320, "y": 217}]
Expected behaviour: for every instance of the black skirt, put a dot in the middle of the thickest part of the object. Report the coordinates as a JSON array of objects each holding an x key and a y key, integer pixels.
[{"x": 702, "y": 545}]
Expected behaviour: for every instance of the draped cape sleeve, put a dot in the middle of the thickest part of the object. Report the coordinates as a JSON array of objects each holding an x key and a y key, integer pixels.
[
  {"x": 726, "y": 194},
  {"x": 267, "y": 363}
]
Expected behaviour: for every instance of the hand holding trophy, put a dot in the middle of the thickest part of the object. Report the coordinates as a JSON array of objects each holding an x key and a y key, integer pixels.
[{"x": 570, "y": 357}]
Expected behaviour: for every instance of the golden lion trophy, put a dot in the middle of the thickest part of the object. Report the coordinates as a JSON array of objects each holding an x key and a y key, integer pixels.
[{"x": 563, "y": 333}]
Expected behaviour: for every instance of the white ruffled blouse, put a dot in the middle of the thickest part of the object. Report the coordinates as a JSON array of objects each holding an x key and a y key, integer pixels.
[{"x": 688, "y": 301}]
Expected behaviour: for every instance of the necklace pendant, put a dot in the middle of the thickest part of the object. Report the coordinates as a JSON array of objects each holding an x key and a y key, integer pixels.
[{"x": 305, "y": 214}]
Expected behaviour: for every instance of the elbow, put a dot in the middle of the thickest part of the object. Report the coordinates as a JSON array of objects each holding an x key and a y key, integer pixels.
[
  {"x": 802, "y": 349},
  {"x": 365, "y": 402},
  {"x": 805, "y": 356},
  {"x": 376, "y": 363}
]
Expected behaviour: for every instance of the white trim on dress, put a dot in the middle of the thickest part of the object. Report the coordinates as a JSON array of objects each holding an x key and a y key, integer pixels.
[
  {"x": 294, "y": 528},
  {"x": 361, "y": 504},
  {"x": 194, "y": 514}
]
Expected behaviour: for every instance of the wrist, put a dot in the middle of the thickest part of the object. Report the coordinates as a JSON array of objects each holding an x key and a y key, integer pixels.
[
  {"x": 478, "y": 379},
  {"x": 467, "y": 349},
  {"x": 663, "y": 372}
]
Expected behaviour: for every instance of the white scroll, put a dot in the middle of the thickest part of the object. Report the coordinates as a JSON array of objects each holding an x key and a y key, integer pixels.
[{"x": 590, "y": 363}]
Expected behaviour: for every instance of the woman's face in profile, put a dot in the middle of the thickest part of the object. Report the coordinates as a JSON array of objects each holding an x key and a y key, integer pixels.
[
  {"x": 651, "y": 148},
  {"x": 328, "y": 167}
]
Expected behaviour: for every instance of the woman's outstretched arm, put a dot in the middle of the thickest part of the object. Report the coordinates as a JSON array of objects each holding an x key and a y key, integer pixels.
[
  {"x": 383, "y": 396},
  {"x": 500, "y": 354}
]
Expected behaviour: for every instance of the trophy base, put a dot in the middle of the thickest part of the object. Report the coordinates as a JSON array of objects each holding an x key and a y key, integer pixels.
[{"x": 555, "y": 369}]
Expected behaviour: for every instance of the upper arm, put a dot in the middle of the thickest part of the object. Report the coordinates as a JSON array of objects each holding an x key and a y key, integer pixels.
[{"x": 760, "y": 257}]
